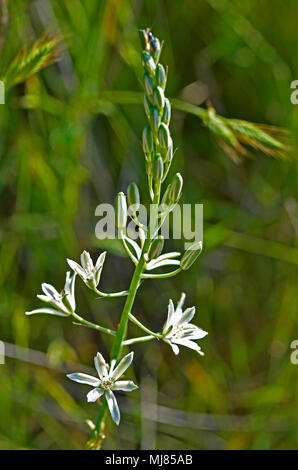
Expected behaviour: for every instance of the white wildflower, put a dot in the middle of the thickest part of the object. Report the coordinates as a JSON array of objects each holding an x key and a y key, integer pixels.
[
  {"x": 62, "y": 304},
  {"x": 177, "y": 329},
  {"x": 87, "y": 271},
  {"x": 107, "y": 382}
]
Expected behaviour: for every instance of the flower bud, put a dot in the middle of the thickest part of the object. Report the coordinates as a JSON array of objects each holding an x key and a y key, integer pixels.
[
  {"x": 190, "y": 256},
  {"x": 156, "y": 247},
  {"x": 157, "y": 168},
  {"x": 161, "y": 76},
  {"x": 165, "y": 199},
  {"x": 147, "y": 140},
  {"x": 176, "y": 188},
  {"x": 155, "y": 119},
  {"x": 167, "y": 112},
  {"x": 133, "y": 196},
  {"x": 148, "y": 62},
  {"x": 159, "y": 97},
  {"x": 164, "y": 136},
  {"x": 156, "y": 48},
  {"x": 121, "y": 210},
  {"x": 147, "y": 106},
  {"x": 148, "y": 83}
]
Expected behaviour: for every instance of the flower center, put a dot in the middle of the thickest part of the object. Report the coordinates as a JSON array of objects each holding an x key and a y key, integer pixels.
[
  {"x": 106, "y": 384},
  {"x": 177, "y": 332}
]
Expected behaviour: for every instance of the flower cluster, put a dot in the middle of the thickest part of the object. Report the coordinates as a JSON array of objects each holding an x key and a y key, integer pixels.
[{"x": 147, "y": 254}]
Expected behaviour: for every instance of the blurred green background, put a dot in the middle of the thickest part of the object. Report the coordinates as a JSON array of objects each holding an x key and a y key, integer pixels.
[{"x": 65, "y": 148}]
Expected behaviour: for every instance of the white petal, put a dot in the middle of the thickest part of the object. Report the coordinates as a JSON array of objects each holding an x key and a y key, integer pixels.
[
  {"x": 175, "y": 348},
  {"x": 124, "y": 385},
  {"x": 44, "y": 298},
  {"x": 190, "y": 344},
  {"x": 49, "y": 290},
  {"x": 181, "y": 301},
  {"x": 100, "y": 260},
  {"x": 86, "y": 261},
  {"x": 77, "y": 268},
  {"x": 101, "y": 366},
  {"x": 122, "y": 366},
  {"x": 187, "y": 315},
  {"x": 135, "y": 246},
  {"x": 84, "y": 379},
  {"x": 50, "y": 311},
  {"x": 194, "y": 333},
  {"x": 171, "y": 312},
  {"x": 94, "y": 395},
  {"x": 154, "y": 264},
  {"x": 69, "y": 288},
  {"x": 113, "y": 406}
]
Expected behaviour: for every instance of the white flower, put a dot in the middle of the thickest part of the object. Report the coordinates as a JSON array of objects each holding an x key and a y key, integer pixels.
[
  {"x": 178, "y": 330},
  {"x": 107, "y": 382},
  {"x": 62, "y": 304},
  {"x": 89, "y": 273}
]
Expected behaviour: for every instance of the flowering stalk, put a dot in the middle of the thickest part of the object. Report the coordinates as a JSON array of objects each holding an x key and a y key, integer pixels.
[{"x": 146, "y": 255}]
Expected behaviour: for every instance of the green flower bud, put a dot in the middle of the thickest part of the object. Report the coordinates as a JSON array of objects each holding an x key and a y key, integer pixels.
[
  {"x": 161, "y": 76},
  {"x": 176, "y": 188},
  {"x": 121, "y": 210},
  {"x": 165, "y": 199},
  {"x": 148, "y": 62},
  {"x": 147, "y": 106},
  {"x": 155, "y": 119},
  {"x": 147, "y": 140},
  {"x": 148, "y": 83},
  {"x": 157, "y": 168},
  {"x": 159, "y": 97},
  {"x": 191, "y": 255},
  {"x": 156, "y": 247},
  {"x": 156, "y": 48},
  {"x": 164, "y": 136},
  {"x": 167, "y": 112},
  {"x": 133, "y": 196}
]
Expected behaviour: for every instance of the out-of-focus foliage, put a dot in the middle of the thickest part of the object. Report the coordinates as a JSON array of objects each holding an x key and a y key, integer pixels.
[{"x": 66, "y": 146}]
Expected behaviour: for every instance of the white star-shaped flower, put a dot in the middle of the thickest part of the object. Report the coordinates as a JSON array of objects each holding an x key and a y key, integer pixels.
[
  {"x": 107, "y": 382},
  {"x": 87, "y": 271},
  {"x": 177, "y": 329},
  {"x": 62, "y": 304}
]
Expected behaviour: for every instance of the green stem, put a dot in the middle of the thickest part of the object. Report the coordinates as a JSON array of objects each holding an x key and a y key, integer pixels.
[
  {"x": 140, "y": 339},
  {"x": 122, "y": 328},
  {"x": 143, "y": 327},
  {"x": 112, "y": 294},
  {"x": 93, "y": 325},
  {"x": 161, "y": 275}
]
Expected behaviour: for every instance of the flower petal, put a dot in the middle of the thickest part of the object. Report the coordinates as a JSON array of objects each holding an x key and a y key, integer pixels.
[
  {"x": 122, "y": 366},
  {"x": 50, "y": 311},
  {"x": 69, "y": 288},
  {"x": 94, "y": 394},
  {"x": 124, "y": 385},
  {"x": 190, "y": 344},
  {"x": 100, "y": 260},
  {"x": 49, "y": 290},
  {"x": 194, "y": 333},
  {"x": 77, "y": 268},
  {"x": 101, "y": 366},
  {"x": 86, "y": 261},
  {"x": 84, "y": 379},
  {"x": 171, "y": 312},
  {"x": 113, "y": 406},
  {"x": 187, "y": 315}
]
